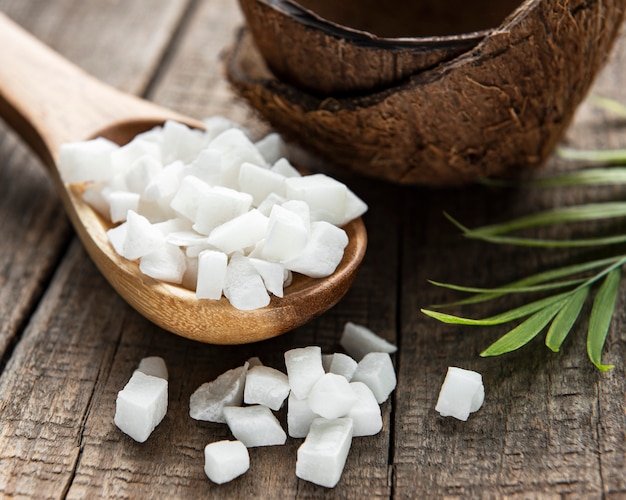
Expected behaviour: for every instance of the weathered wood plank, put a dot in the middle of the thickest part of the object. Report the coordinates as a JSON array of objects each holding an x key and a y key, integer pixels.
[{"x": 552, "y": 425}]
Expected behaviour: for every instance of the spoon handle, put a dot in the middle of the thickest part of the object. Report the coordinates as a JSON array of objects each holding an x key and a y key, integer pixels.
[{"x": 48, "y": 100}]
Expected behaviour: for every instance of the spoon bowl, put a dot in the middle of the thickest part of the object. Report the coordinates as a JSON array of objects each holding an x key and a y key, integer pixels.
[{"x": 49, "y": 101}]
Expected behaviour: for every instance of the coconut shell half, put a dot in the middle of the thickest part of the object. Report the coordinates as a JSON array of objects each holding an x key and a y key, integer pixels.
[
  {"x": 346, "y": 60},
  {"x": 495, "y": 110}
]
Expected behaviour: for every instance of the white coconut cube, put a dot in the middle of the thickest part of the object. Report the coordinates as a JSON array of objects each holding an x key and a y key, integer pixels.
[
  {"x": 225, "y": 460},
  {"x": 180, "y": 142},
  {"x": 117, "y": 237},
  {"x": 260, "y": 182},
  {"x": 208, "y": 401},
  {"x": 164, "y": 184},
  {"x": 186, "y": 201},
  {"x": 377, "y": 372},
  {"x": 287, "y": 235},
  {"x": 365, "y": 413},
  {"x": 355, "y": 207},
  {"x": 124, "y": 157},
  {"x": 153, "y": 365},
  {"x": 359, "y": 340},
  {"x": 211, "y": 278},
  {"x": 96, "y": 196},
  {"x": 266, "y": 386},
  {"x": 272, "y": 147},
  {"x": 299, "y": 416},
  {"x": 304, "y": 369},
  {"x": 120, "y": 202},
  {"x": 190, "y": 276},
  {"x": 141, "y": 405},
  {"x": 325, "y": 196},
  {"x": 141, "y": 237},
  {"x": 141, "y": 173},
  {"x": 462, "y": 393},
  {"x": 254, "y": 425},
  {"x": 284, "y": 167},
  {"x": 331, "y": 396},
  {"x": 322, "y": 456},
  {"x": 239, "y": 233},
  {"x": 86, "y": 160},
  {"x": 272, "y": 274},
  {"x": 166, "y": 263},
  {"x": 243, "y": 285},
  {"x": 322, "y": 253},
  {"x": 207, "y": 167},
  {"x": 219, "y": 205},
  {"x": 235, "y": 148},
  {"x": 265, "y": 207},
  {"x": 342, "y": 364}
]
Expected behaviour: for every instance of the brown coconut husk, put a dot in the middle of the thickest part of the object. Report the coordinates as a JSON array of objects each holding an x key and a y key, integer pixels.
[
  {"x": 324, "y": 57},
  {"x": 496, "y": 109}
]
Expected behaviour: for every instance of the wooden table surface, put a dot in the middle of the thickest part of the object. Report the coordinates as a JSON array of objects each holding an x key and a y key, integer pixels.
[{"x": 552, "y": 426}]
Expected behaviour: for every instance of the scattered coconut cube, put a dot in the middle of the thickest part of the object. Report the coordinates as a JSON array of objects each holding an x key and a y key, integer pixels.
[
  {"x": 365, "y": 412},
  {"x": 225, "y": 460},
  {"x": 304, "y": 368},
  {"x": 153, "y": 365},
  {"x": 208, "y": 401},
  {"x": 322, "y": 253},
  {"x": 462, "y": 393},
  {"x": 254, "y": 425},
  {"x": 84, "y": 161},
  {"x": 299, "y": 416},
  {"x": 331, "y": 396},
  {"x": 266, "y": 386},
  {"x": 322, "y": 456},
  {"x": 343, "y": 365},
  {"x": 377, "y": 372},
  {"x": 359, "y": 340},
  {"x": 141, "y": 405}
]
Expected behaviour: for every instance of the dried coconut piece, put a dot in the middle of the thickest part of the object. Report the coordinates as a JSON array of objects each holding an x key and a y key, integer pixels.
[
  {"x": 272, "y": 273},
  {"x": 243, "y": 285},
  {"x": 225, "y": 460},
  {"x": 165, "y": 263},
  {"x": 260, "y": 182},
  {"x": 299, "y": 416},
  {"x": 266, "y": 386},
  {"x": 254, "y": 425},
  {"x": 359, "y": 340},
  {"x": 141, "y": 405},
  {"x": 85, "y": 161},
  {"x": 343, "y": 365},
  {"x": 287, "y": 235},
  {"x": 365, "y": 413},
  {"x": 208, "y": 401},
  {"x": 322, "y": 253},
  {"x": 212, "y": 266},
  {"x": 238, "y": 233},
  {"x": 154, "y": 366},
  {"x": 219, "y": 205},
  {"x": 322, "y": 456},
  {"x": 331, "y": 396},
  {"x": 377, "y": 372},
  {"x": 304, "y": 368},
  {"x": 271, "y": 147},
  {"x": 462, "y": 393}
]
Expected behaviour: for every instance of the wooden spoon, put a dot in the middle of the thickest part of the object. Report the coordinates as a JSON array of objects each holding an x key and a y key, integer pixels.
[{"x": 49, "y": 101}]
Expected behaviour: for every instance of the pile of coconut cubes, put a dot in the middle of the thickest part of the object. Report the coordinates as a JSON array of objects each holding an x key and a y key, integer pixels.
[
  {"x": 330, "y": 399},
  {"x": 213, "y": 211}
]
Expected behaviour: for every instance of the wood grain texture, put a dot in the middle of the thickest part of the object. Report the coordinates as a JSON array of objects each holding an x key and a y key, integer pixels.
[{"x": 551, "y": 425}]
